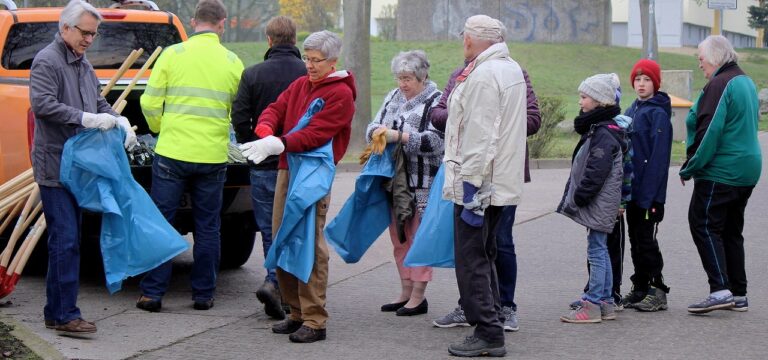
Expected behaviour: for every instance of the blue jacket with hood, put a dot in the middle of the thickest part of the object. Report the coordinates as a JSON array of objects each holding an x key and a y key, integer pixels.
[{"x": 651, "y": 138}]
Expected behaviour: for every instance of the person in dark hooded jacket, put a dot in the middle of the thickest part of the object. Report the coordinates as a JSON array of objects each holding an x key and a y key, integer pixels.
[
  {"x": 652, "y": 144},
  {"x": 593, "y": 191},
  {"x": 260, "y": 85}
]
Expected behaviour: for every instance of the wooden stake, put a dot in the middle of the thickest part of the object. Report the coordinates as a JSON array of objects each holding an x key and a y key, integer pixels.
[
  {"x": 139, "y": 74},
  {"x": 123, "y": 68}
]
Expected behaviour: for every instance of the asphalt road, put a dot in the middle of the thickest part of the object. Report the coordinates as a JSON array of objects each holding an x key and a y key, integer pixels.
[{"x": 551, "y": 254}]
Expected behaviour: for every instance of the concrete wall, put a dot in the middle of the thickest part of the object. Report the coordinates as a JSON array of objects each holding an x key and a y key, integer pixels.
[
  {"x": 619, "y": 34},
  {"x": 579, "y": 21}
]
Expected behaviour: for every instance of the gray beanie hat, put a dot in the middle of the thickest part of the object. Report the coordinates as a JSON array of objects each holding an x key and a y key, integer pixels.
[{"x": 601, "y": 87}]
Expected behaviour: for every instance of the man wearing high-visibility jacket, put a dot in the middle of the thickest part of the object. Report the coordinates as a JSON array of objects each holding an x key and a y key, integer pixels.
[{"x": 187, "y": 101}]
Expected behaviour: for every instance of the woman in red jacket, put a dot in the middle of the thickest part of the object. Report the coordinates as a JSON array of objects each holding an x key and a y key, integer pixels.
[{"x": 334, "y": 122}]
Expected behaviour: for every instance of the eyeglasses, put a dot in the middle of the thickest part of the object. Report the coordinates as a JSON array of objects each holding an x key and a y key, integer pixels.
[
  {"x": 85, "y": 33},
  {"x": 313, "y": 61},
  {"x": 405, "y": 78}
]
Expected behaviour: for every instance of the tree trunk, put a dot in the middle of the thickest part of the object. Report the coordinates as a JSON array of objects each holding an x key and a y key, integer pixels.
[{"x": 357, "y": 58}]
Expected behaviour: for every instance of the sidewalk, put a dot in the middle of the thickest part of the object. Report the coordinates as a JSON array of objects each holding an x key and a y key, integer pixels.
[{"x": 552, "y": 270}]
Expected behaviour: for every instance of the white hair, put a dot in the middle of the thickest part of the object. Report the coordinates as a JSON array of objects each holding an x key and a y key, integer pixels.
[
  {"x": 717, "y": 50},
  {"x": 326, "y": 42},
  {"x": 74, "y": 10},
  {"x": 414, "y": 62}
]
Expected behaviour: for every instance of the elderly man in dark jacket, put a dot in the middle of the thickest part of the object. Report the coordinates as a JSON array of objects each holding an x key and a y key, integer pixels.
[
  {"x": 64, "y": 92},
  {"x": 260, "y": 86}
]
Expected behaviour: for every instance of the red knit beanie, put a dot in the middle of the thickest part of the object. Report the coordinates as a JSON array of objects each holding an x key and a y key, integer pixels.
[{"x": 648, "y": 68}]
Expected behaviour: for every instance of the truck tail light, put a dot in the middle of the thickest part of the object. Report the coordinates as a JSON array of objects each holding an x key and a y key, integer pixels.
[
  {"x": 30, "y": 128},
  {"x": 113, "y": 15}
]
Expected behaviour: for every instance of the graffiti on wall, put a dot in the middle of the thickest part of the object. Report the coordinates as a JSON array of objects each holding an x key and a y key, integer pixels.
[{"x": 582, "y": 21}]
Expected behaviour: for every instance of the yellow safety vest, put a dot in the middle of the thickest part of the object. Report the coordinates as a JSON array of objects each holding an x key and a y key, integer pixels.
[{"x": 188, "y": 99}]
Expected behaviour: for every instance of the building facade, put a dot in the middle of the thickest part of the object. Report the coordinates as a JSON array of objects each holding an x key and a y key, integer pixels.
[{"x": 681, "y": 23}]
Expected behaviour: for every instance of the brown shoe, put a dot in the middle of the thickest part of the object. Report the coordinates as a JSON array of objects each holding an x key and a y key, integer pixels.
[
  {"x": 77, "y": 326},
  {"x": 286, "y": 326},
  {"x": 306, "y": 334}
]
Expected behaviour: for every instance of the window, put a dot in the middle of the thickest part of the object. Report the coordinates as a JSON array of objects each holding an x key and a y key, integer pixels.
[{"x": 109, "y": 50}]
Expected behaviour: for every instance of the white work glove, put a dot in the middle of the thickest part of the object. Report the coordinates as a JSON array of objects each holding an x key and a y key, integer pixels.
[
  {"x": 259, "y": 150},
  {"x": 101, "y": 121},
  {"x": 130, "y": 135}
]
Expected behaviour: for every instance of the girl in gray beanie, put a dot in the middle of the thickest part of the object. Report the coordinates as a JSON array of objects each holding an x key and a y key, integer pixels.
[{"x": 593, "y": 191}]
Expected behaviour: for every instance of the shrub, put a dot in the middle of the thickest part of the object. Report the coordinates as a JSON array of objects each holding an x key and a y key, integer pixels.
[
  {"x": 301, "y": 36},
  {"x": 552, "y": 113}
]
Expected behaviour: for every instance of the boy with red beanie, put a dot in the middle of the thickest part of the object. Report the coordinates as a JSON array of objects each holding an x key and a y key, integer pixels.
[{"x": 652, "y": 143}]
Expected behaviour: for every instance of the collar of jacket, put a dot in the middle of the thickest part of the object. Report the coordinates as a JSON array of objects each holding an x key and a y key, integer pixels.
[
  {"x": 723, "y": 68},
  {"x": 206, "y": 35},
  {"x": 67, "y": 51},
  {"x": 282, "y": 50}
]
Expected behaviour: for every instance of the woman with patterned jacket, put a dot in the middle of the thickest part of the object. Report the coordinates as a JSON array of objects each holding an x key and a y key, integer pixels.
[{"x": 404, "y": 117}]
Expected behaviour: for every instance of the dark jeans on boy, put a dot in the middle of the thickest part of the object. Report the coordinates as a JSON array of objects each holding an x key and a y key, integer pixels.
[{"x": 716, "y": 219}]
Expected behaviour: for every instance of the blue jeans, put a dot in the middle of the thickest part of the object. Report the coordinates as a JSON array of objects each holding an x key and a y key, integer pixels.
[
  {"x": 600, "y": 273},
  {"x": 506, "y": 259},
  {"x": 62, "y": 216},
  {"x": 206, "y": 186},
  {"x": 263, "y": 197}
]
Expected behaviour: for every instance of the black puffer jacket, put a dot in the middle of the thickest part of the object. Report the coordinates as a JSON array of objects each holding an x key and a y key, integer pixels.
[{"x": 260, "y": 86}]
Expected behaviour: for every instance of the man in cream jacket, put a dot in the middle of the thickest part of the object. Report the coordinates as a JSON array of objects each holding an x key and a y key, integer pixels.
[{"x": 484, "y": 160}]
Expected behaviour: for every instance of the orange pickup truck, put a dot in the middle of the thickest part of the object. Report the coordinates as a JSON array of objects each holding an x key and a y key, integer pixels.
[{"x": 128, "y": 25}]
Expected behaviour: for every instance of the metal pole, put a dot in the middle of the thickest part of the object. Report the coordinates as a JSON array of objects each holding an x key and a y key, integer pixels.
[{"x": 650, "y": 51}]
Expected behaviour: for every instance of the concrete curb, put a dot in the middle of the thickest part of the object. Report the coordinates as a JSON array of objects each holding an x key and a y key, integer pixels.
[{"x": 39, "y": 346}]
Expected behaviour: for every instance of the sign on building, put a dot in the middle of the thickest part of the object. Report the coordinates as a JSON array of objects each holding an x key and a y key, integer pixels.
[{"x": 722, "y": 4}]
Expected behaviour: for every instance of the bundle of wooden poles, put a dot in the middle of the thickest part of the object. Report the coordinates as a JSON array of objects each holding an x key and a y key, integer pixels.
[{"x": 20, "y": 196}]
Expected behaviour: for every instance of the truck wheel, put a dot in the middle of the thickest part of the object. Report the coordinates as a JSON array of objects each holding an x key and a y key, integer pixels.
[{"x": 238, "y": 233}]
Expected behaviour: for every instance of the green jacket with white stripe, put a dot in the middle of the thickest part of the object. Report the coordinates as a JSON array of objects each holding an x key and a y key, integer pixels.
[
  {"x": 722, "y": 144},
  {"x": 188, "y": 99}
]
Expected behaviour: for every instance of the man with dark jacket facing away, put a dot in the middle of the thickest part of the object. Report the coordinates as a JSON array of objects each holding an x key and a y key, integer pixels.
[{"x": 260, "y": 85}]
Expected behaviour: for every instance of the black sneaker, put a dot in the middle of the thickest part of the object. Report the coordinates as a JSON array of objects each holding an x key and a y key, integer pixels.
[
  {"x": 635, "y": 296},
  {"x": 473, "y": 346},
  {"x": 203, "y": 305},
  {"x": 149, "y": 304},
  {"x": 269, "y": 295},
  {"x": 306, "y": 334},
  {"x": 655, "y": 300},
  {"x": 286, "y": 326}
]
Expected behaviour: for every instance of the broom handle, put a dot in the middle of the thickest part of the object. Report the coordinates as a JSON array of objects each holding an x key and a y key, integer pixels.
[
  {"x": 7, "y": 221},
  {"x": 21, "y": 178},
  {"x": 11, "y": 200},
  {"x": 135, "y": 79},
  {"x": 27, "y": 246},
  {"x": 34, "y": 197},
  {"x": 123, "y": 68}
]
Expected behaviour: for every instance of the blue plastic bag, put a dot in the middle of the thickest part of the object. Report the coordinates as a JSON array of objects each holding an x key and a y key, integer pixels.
[
  {"x": 366, "y": 213},
  {"x": 311, "y": 177},
  {"x": 135, "y": 237},
  {"x": 433, "y": 242}
]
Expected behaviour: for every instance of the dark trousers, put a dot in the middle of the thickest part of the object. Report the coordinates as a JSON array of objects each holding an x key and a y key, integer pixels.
[
  {"x": 62, "y": 216},
  {"x": 644, "y": 248},
  {"x": 716, "y": 219},
  {"x": 169, "y": 179},
  {"x": 506, "y": 259},
  {"x": 475, "y": 250},
  {"x": 615, "y": 241}
]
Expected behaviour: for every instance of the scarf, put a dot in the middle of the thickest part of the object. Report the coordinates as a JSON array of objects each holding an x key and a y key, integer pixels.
[{"x": 585, "y": 120}]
